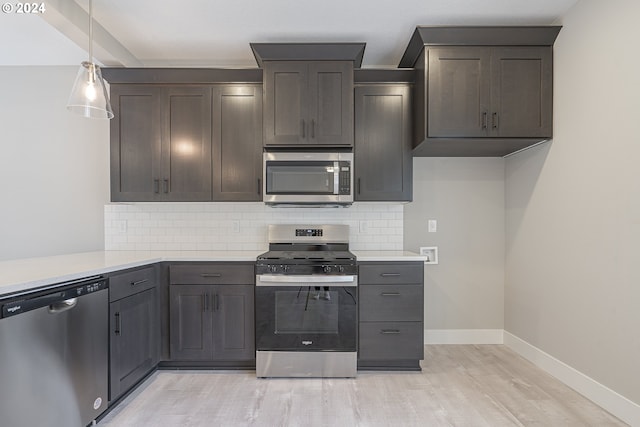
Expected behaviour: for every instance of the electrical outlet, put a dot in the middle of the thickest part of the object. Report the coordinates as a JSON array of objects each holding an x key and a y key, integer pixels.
[
  {"x": 235, "y": 225},
  {"x": 432, "y": 225},
  {"x": 120, "y": 225},
  {"x": 364, "y": 227}
]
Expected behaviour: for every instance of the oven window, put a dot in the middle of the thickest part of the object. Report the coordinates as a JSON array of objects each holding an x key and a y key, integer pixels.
[
  {"x": 313, "y": 310},
  {"x": 300, "y": 177},
  {"x": 306, "y": 318}
]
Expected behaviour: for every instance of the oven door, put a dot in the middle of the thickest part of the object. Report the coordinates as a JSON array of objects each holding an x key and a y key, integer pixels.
[
  {"x": 306, "y": 313},
  {"x": 307, "y": 177}
]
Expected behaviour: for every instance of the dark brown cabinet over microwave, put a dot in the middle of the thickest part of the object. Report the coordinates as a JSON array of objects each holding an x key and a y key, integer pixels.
[
  {"x": 481, "y": 91},
  {"x": 308, "y": 102},
  {"x": 308, "y": 92}
]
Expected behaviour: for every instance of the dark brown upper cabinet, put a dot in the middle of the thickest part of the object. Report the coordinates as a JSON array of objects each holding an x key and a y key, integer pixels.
[
  {"x": 186, "y": 134},
  {"x": 308, "y": 103},
  {"x": 237, "y": 143},
  {"x": 161, "y": 143},
  {"x": 383, "y": 162},
  {"x": 481, "y": 91}
]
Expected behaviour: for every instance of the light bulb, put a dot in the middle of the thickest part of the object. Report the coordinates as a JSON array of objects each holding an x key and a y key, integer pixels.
[{"x": 90, "y": 91}]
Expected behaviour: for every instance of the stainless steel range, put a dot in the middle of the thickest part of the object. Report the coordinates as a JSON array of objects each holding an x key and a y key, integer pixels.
[{"x": 306, "y": 303}]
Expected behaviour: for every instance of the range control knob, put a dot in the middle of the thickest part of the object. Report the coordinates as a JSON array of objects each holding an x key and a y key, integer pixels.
[
  {"x": 273, "y": 268},
  {"x": 341, "y": 269},
  {"x": 285, "y": 268},
  {"x": 326, "y": 269}
]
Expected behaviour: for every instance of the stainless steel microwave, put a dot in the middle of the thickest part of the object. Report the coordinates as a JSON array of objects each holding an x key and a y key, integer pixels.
[{"x": 308, "y": 178}]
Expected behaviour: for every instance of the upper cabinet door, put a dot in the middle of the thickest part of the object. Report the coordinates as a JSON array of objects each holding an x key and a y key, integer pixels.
[
  {"x": 161, "y": 143},
  {"x": 330, "y": 103},
  {"x": 308, "y": 103},
  {"x": 285, "y": 104},
  {"x": 237, "y": 143},
  {"x": 458, "y": 91},
  {"x": 522, "y": 91},
  {"x": 135, "y": 143},
  {"x": 186, "y": 148},
  {"x": 383, "y": 162}
]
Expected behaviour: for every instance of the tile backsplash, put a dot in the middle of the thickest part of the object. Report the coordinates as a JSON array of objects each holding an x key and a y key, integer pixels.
[{"x": 241, "y": 226}]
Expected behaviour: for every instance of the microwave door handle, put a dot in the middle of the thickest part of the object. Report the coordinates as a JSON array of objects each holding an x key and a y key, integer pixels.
[{"x": 336, "y": 178}]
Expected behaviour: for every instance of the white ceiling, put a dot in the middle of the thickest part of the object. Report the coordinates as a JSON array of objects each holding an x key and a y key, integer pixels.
[{"x": 206, "y": 33}]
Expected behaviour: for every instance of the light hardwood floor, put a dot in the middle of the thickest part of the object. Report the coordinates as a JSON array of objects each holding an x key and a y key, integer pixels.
[{"x": 460, "y": 385}]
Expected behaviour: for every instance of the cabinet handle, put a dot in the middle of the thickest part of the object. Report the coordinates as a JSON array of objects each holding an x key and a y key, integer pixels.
[
  {"x": 389, "y": 274},
  {"x": 358, "y": 185},
  {"x": 313, "y": 128},
  {"x": 166, "y": 185},
  {"x": 259, "y": 186},
  {"x": 390, "y": 294},
  {"x": 211, "y": 275},
  {"x": 494, "y": 120},
  {"x": 304, "y": 128},
  {"x": 139, "y": 282},
  {"x": 118, "y": 324},
  {"x": 205, "y": 302},
  {"x": 484, "y": 120},
  {"x": 389, "y": 331},
  {"x": 156, "y": 186}
]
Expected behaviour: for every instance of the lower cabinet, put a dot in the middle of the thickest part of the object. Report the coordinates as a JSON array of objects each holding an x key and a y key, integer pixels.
[
  {"x": 134, "y": 329},
  {"x": 391, "y": 319},
  {"x": 211, "y": 322}
]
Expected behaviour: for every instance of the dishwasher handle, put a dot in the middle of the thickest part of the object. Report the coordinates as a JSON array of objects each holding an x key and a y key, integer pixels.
[{"x": 62, "y": 306}]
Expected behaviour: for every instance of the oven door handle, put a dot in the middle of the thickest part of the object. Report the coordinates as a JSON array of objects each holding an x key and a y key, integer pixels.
[{"x": 302, "y": 280}]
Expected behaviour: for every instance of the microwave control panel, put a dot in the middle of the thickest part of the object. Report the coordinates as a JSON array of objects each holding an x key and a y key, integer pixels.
[{"x": 345, "y": 178}]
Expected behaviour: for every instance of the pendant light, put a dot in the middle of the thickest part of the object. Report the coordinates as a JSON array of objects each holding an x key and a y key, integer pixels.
[{"x": 89, "y": 97}]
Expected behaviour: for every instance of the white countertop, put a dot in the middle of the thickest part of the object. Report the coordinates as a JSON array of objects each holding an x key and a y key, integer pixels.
[{"x": 33, "y": 273}]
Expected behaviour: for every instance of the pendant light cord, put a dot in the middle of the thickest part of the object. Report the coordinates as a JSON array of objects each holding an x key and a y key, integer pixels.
[{"x": 91, "y": 31}]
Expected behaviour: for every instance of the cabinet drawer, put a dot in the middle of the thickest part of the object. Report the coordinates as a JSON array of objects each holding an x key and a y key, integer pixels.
[
  {"x": 391, "y": 302},
  {"x": 391, "y": 340},
  {"x": 212, "y": 274},
  {"x": 387, "y": 273},
  {"x": 132, "y": 282}
]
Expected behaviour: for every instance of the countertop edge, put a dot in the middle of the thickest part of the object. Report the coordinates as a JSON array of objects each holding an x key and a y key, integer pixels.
[{"x": 16, "y": 276}]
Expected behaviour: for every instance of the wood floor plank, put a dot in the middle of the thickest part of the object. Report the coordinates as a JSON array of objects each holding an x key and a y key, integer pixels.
[{"x": 460, "y": 385}]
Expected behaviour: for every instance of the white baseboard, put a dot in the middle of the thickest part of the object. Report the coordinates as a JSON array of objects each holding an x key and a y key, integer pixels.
[
  {"x": 463, "y": 336},
  {"x": 618, "y": 405}
]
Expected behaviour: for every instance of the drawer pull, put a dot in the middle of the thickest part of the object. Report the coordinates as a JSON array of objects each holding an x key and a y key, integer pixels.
[
  {"x": 390, "y": 274},
  {"x": 139, "y": 282},
  {"x": 389, "y": 331},
  {"x": 211, "y": 275},
  {"x": 390, "y": 294}
]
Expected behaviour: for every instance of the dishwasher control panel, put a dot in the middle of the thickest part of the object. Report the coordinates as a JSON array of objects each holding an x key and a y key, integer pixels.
[{"x": 36, "y": 300}]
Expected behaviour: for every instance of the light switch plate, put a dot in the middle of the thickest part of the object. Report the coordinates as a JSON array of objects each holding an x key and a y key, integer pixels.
[{"x": 432, "y": 225}]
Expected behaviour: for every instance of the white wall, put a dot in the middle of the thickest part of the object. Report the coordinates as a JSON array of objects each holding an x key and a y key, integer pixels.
[
  {"x": 466, "y": 196},
  {"x": 573, "y": 206},
  {"x": 53, "y": 166}
]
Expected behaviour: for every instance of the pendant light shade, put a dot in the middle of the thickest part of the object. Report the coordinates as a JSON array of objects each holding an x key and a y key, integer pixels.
[{"x": 89, "y": 97}]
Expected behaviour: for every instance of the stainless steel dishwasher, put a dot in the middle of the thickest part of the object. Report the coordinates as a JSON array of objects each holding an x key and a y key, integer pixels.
[{"x": 54, "y": 355}]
